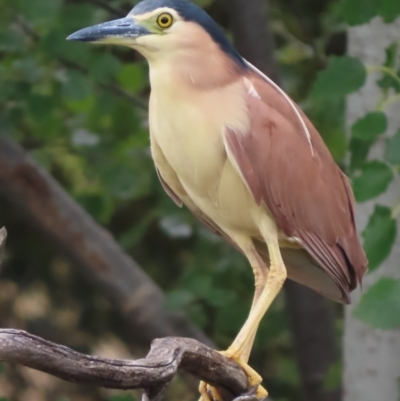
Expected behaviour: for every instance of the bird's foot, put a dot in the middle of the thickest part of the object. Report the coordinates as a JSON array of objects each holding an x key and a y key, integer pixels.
[
  {"x": 209, "y": 393},
  {"x": 254, "y": 378}
]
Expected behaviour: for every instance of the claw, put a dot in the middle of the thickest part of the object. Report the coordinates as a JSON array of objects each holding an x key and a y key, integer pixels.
[
  {"x": 204, "y": 392},
  {"x": 254, "y": 378},
  {"x": 205, "y": 389}
]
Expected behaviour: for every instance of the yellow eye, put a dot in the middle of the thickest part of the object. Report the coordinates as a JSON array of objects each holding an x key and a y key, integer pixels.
[{"x": 165, "y": 20}]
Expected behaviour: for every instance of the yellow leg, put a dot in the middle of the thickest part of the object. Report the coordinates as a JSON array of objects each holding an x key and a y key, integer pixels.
[
  {"x": 267, "y": 286},
  {"x": 260, "y": 270},
  {"x": 276, "y": 277}
]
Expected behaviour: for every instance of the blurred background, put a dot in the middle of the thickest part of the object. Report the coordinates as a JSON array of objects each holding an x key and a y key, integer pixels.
[{"x": 98, "y": 257}]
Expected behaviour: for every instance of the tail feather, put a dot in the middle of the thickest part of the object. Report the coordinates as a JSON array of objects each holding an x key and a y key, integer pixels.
[{"x": 302, "y": 268}]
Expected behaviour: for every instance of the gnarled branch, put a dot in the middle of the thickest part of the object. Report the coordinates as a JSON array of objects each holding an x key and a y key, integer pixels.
[{"x": 153, "y": 373}]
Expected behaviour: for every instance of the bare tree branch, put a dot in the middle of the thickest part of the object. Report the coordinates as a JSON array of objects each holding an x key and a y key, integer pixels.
[
  {"x": 153, "y": 373},
  {"x": 252, "y": 36},
  {"x": 92, "y": 250}
]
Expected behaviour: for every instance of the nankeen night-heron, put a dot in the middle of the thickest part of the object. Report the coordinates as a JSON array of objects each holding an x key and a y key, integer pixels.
[{"x": 229, "y": 144}]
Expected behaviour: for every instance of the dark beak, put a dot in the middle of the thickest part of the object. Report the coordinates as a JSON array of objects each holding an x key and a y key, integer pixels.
[{"x": 113, "y": 32}]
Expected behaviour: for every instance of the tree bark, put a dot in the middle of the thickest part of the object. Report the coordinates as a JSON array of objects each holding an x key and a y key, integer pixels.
[
  {"x": 311, "y": 315},
  {"x": 90, "y": 248},
  {"x": 249, "y": 21},
  {"x": 153, "y": 373},
  {"x": 372, "y": 357}
]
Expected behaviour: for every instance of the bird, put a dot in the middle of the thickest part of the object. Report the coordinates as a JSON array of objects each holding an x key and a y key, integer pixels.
[{"x": 241, "y": 155}]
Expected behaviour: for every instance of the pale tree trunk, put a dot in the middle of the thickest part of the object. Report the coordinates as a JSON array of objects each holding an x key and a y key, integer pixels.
[{"x": 371, "y": 356}]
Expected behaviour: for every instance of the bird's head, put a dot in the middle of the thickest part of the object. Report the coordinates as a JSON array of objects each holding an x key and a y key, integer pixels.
[{"x": 157, "y": 28}]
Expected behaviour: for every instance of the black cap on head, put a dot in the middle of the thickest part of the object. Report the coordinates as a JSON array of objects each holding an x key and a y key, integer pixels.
[{"x": 191, "y": 12}]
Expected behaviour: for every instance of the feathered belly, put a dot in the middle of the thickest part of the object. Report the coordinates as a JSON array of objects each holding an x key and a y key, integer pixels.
[
  {"x": 193, "y": 148},
  {"x": 189, "y": 131}
]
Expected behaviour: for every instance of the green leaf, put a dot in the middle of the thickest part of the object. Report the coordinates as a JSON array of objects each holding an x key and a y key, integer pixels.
[
  {"x": 11, "y": 41},
  {"x": 359, "y": 151},
  {"x": 40, "y": 107},
  {"x": 388, "y": 81},
  {"x": 392, "y": 153},
  {"x": 129, "y": 179},
  {"x": 380, "y": 306},
  {"x": 219, "y": 297},
  {"x": 179, "y": 300},
  {"x": 379, "y": 236},
  {"x": 391, "y": 55},
  {"x": 369, "y": 127},
  {"x": 39, "y": 10},
  {"x": 54, "y": 45},
  {"x": 78, "y": 15},
  {"x": 135, "y": 234},
  {"x": 133, "y": 77},
  {"x": 333, "y": 377},
  {"x": 342, "y": 76},
  {"x": 373, "y": 180},
  {"x": 358, "y": 12},
  {"x": 389, "y": 10},
  {"x": 28, "y": 69},
  {"x": 77, "y": 86},
  {"x": 104, "y": 67}
]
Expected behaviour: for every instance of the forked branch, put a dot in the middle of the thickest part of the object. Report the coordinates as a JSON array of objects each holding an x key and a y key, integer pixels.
[{"x": 152, "y": 374}]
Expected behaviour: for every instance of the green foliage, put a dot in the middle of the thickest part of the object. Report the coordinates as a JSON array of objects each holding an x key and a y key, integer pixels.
[
  {"x": 379, "y": 236},
  {"x": 380, "y": 306},
  {"x": 372, "y": 181},
  {"x": 358, "y": 12},
  {"x": 133, "y": 77},
  {"x": 369, "y": 127},
  {"x": 392, "y": 153},
  {"x": 342, "y": 76},
  {"x": 391, "y": 79},
  {"x": 333, "y": 378},
  {"x": 389, "y": 10},
  {"x": 370, "y": 178}
]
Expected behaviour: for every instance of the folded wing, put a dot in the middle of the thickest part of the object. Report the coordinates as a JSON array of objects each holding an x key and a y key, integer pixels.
[{"x": 288, "y": 168}]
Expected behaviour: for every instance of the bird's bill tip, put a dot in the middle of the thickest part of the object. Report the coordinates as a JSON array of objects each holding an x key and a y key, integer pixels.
[{"x": 113, "y": 32}]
